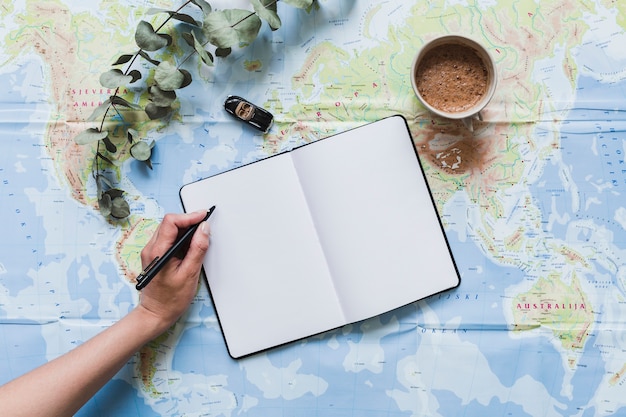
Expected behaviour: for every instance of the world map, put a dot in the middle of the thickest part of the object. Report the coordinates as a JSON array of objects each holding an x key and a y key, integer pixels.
[{"x": 531, "y": 202}]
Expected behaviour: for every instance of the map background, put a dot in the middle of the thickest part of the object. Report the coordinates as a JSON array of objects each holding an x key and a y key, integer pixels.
[{"x": 531, "y": 206}]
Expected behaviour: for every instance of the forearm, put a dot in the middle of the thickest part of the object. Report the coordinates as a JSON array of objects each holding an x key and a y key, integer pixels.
[
  {"x": 62, "y": 386},
  {"x": 65, "y": 384}
]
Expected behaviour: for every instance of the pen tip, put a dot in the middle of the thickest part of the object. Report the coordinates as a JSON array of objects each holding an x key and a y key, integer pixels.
[{"x": 209, "y": 212}]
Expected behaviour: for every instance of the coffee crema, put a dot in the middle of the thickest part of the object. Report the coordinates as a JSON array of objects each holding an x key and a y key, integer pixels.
[{"x": 452, "y": 78}]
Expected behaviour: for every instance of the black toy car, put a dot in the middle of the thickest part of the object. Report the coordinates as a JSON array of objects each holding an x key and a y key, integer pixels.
[{"x": 249, "y": 113}]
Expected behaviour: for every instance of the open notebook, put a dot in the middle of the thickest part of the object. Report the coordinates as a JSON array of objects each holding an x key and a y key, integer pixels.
[{"x": 329, "y": 233}]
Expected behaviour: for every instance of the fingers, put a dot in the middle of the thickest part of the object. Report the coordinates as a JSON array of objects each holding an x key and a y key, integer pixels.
[
  {"x": 173, "y": 224},
  {"x": 167, "y": 232},
  {"x": 184, "y": 221},
  {"x": 198, "y": 247},
  {"x": 175, "y": 285}
]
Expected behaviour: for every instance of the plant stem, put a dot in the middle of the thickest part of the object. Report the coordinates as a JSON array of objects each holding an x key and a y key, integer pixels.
[
  {"x": 95, "y": 163},
  {"x": 233, "y": 25},
  {"x": 95, "y": 166},
  {"x": 136, "y": 55}
]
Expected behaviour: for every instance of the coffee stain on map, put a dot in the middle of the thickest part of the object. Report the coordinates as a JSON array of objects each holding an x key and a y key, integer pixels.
[{"x": 450, "y": 147}]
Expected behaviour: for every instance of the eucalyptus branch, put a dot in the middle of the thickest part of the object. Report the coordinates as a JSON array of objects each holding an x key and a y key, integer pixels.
[{"x": 223, "y": 29}]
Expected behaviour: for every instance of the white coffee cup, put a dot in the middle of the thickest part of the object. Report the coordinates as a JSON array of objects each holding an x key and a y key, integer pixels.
[{"x": 471, "y": 112}]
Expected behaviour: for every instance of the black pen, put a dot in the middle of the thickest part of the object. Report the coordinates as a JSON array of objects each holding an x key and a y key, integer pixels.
[{"x": 157, "y": 263}]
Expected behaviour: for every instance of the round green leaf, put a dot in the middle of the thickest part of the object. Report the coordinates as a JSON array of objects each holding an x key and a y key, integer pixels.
[
  {"x": 115, "y": 192},
  {"x": 248, "y": 29},
  {"x": 203, "y": 5},
  {"x": 188, "y": 37},
  {"x": 223, "y": 52},
  {"x": 100, "y": 155},
  {"x": 119, "y": 101},
  {"x": 131, "y": 134},
  {"x": 267, "y": 14},
  {"x": 90, "y": 135},
  {"x": 110, "y": 146},
  {"x": 168, "y": 77},
  {"x": 136, "y": 75},
  {"x": 218, "y": 30},
  {"x": 119, "y": 208},
  {"x": 206, "y": 57},
  {"x": 161, "y": 98},
  {"x": 104, "y": 204},
  {"x": 302, "y": 4},
  {"x": 187, "y": 78},
  {"x": 148, "y": 40},
  {"x": 100, "y": 111},
  {"x": 227, "y": 28},
  {"x": 185, "y": 18},
  {"x": 141, "y": 151},
  {"x": 147, "y": 57},
  {"x": 101, "y": 179},
  {"x": 115, "y": 78},
  {"x": 123, "y": 59},
  {"x": 155, "y": 112},
  {"x": 174, "y": 15}
]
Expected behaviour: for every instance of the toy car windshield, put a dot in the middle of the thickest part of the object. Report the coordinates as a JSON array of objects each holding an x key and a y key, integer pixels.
[{"x": 253, "y": 115}]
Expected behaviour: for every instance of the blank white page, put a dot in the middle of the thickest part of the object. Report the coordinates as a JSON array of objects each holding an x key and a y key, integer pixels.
[
  {"x": 373, "y": 212},
  {"x": 266, "y": 271}
]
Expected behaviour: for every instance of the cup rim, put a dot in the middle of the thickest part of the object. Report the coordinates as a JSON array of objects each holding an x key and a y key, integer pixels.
[{"x": 482, "y": 53}]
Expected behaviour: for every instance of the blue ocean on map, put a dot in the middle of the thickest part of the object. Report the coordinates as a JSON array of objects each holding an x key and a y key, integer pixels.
[
  {"x": 592, "y": 146},
  {"x": 173, "y": 156},
  {"x": 207, "y": 345},
  {"x": 20, "y": 169}
]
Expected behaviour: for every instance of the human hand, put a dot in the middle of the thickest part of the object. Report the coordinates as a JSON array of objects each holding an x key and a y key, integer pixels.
[
  {"x": 66, "y": 383},
  {"x": 173, "y": 288}
]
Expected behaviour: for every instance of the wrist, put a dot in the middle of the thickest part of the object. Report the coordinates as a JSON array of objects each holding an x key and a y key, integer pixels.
[{"x": 152, "y": 324}]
